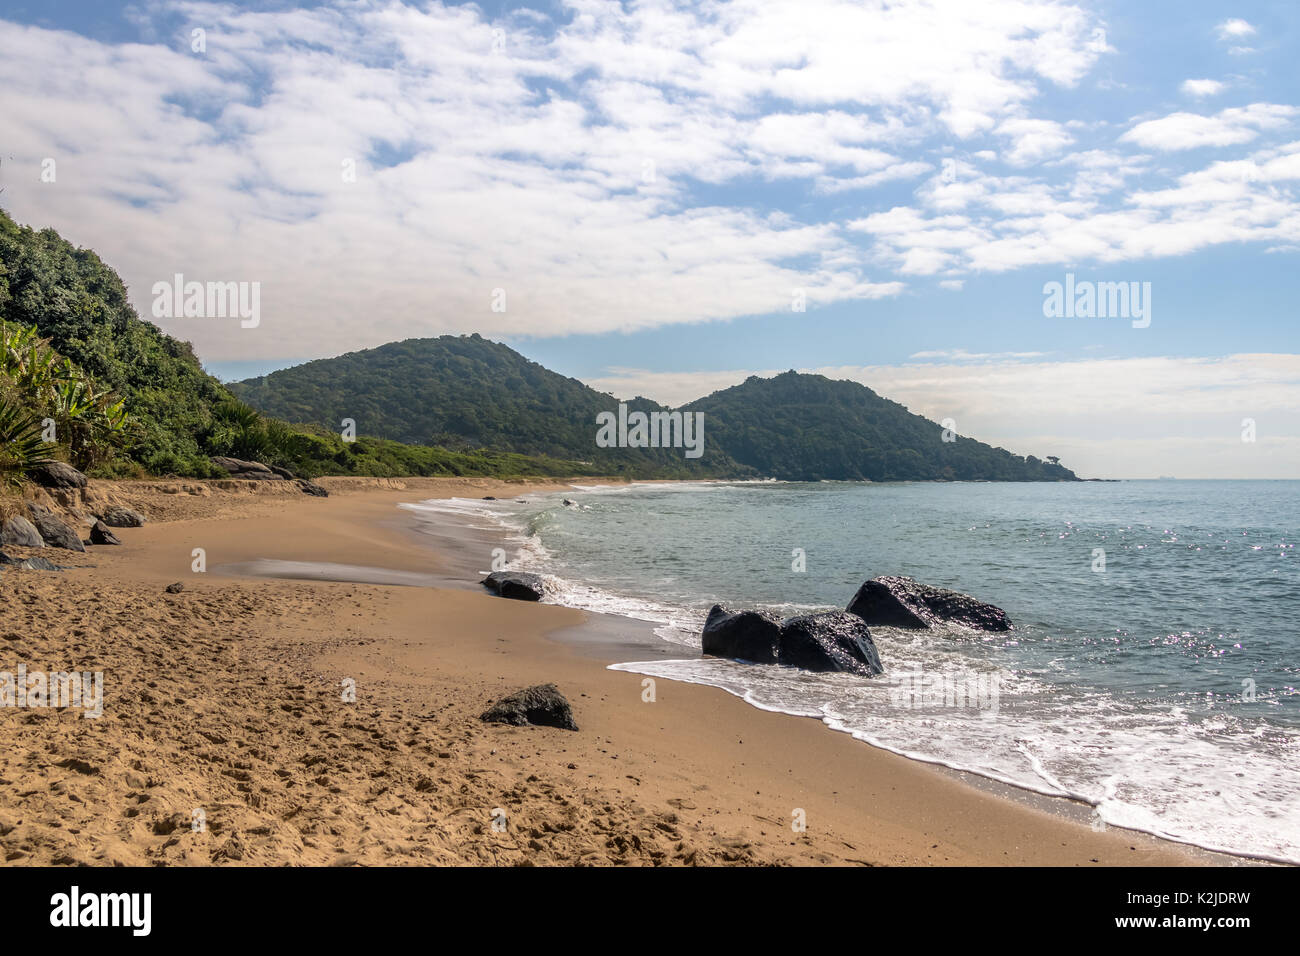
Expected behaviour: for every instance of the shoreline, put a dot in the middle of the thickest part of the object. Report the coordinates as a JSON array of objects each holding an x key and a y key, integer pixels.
[
  {"x": 408, "y": 774},
  {"x": 613, "y": 639}
]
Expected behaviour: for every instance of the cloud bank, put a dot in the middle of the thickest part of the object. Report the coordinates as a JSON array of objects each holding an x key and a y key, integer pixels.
[{"x": 389, "y": 170}]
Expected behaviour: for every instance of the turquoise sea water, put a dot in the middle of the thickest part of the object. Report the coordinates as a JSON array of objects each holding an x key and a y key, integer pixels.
[{"x": 1153, "y": 666}]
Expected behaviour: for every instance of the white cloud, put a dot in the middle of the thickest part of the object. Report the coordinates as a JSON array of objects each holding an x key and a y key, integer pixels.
[
  {"x": 961, "y": 355},
  {"x": 1234, "y": 29},
  {"x": 1202, "y": 88},
  {"x": 895, "y": 171},
  {"x": 1102, "y": 172},
  {"x": 995, "y": 224},
  {"x": 1033, "y": 140},
  {"x": 1228, "y": 127},
  {"x": 555, "y": 169},
  {"x": 565, "y": 169}
]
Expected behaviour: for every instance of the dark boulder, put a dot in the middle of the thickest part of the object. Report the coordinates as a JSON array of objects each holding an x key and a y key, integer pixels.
[
  {"x": 311, "y": 488},
  {"x": 55, "y": 474},
  {"x": 35, "y": 563},
  {"x": 246, "y": 470},
  {"x": 53, "y": 531},
  {"x": 518, "y": 585},
  {"x": 744, "y": 635},
  {"x": 284, "y": 473},
  {"x": 541, "y": 704},
  {"x": 902, "y": 602},
  {"x": 834, "y": 641},
  {"x": 119, "y": 516},
  {"x": 176, "y": 588},
  {"x": 100, "y": 533},
  {"x": 18, "y": 532},
  {"x": 236, "y": 465}
]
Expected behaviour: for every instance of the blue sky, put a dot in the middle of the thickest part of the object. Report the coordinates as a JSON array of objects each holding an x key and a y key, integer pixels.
[{"x": 649, "y": 184}]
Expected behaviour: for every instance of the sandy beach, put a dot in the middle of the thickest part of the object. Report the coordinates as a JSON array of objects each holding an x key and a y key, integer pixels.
[{"x": 224, "y": 704}]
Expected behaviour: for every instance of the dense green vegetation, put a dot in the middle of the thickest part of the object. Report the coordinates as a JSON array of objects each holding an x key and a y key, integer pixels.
[
  {"x": 311, "y": 451},
  {"x": 466, "y": 390},
  {"x": 44, "y": 390},
  {"x": 845, "y": 431},
  {"x": 79, "y": 305},
  {"x": 126, "y": 399},
  {"x": 22, "y": 446}
]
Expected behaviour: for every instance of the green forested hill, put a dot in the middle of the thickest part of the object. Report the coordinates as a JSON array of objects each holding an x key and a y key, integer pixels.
[
  {"x": 468, "y": 391},
  {"x": 807, "y": 427}
]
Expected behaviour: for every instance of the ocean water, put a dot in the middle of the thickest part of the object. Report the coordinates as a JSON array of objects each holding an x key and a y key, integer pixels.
[{"x": 1152, "y": 670}]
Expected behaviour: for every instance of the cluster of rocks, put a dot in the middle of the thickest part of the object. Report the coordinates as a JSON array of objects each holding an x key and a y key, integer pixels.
[
  {"x": 256, "y": 471},
  {"x": 835, "y": 641},
  {"x": 42, "y": 527},
  {"x": 830, "y": 641},
  {"x": 841, "y": 640}
]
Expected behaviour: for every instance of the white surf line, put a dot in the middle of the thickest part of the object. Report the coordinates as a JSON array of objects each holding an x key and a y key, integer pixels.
[{"x": 1039, "y": 770}]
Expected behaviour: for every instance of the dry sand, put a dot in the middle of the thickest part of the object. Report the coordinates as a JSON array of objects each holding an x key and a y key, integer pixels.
[{"x": 227, "y": 698}]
